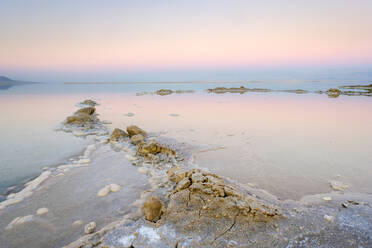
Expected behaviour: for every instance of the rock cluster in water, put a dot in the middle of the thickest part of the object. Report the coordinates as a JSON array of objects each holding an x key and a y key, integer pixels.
[
  {"x": 352, "y": 90},
  {"x": 84, "y": 121}
]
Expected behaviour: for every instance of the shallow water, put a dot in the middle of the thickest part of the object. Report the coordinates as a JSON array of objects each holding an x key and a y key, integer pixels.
[
  {"x": 28, "y": 140},
  {"x": 287, "y": 144},
  {"x": 290, "y": 145}
]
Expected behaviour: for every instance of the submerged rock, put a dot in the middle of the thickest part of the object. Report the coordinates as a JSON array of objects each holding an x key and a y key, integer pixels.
[
  {"x": 153, "y": 209},
  {"x": 89, "y": 102},
  {"x": 118, "y": 134},
  {"x": 90, "y": 227},
  {"x": 77, "y": 223},
  {"x": 18, "y": 221},
  {"x": 134, "y": 130},
  {"x": 136, "y": 139}
]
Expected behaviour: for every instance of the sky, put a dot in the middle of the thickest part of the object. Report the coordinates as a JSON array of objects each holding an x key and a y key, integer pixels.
[{"x": 96, "y": 40}]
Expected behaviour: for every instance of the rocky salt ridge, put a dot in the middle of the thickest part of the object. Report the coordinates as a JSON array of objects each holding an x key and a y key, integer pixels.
[{"x": 191, "y": 207}]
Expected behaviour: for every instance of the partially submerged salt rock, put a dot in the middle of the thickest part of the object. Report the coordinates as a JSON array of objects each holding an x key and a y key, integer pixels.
[
  {"x": 108, "y": 188},
  {"x": 89, "y": 102},
  {"x": 118, "y": 134},
  {"x": 333, "y": 92},
  {"x": 42, "y": 211},
  {"x": 77, "y": 223},
  {"x": 164, "y": 92},
  {"x": 133, "y": 130},
  {"x": 84, "y": 122},
  {"x": 90, "y": 227},
  {"x": 104, "y": 191},
  {"x": 153, "y": 209},
  {"x": 339, "y": 186},
  {"x": 80, "y": 119},
  {"x": 18, "y": 221},
  {"x": 87, "y": 111},
  {"x": 153, "y": 148},
  {"x": 136, "y": 139},
  {"x": 114, "y": 187}
]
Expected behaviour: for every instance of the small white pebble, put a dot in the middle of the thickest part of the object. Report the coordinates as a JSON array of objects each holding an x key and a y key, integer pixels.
[
  {"x": 142, "y": 170},
  {"x": 114, "y": 187},
  {"x": 327, "y": 198},
  {"x": 84, "y": 161},
  {"x": 42, "y": 211},
  {"x": 104, "y": 191},
  {"x": 329, "y": 218}
]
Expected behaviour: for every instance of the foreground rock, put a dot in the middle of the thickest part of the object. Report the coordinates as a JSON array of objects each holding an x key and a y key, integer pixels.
[
  {"x": 153, "y": 209},
  {"x": 199, "y": 194}
]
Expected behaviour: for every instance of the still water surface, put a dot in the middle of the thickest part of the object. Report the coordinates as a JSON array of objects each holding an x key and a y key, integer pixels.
[{"x": 290, "y": 145}]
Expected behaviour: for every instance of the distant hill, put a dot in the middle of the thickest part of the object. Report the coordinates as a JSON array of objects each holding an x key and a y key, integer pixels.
[
  {"x": 6, "y": 83},
  {"x": 5, "y": 79}
]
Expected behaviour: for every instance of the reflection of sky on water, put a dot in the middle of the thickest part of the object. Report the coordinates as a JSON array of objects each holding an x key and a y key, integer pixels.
[{"x": 286, "y": 143}]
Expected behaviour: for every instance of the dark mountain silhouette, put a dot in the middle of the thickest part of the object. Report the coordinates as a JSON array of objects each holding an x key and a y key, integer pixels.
[{"x": 6, "y": 83}]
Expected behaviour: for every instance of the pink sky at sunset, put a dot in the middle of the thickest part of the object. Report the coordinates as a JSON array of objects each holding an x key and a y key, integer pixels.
[{"x": 83, "y": 36}]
